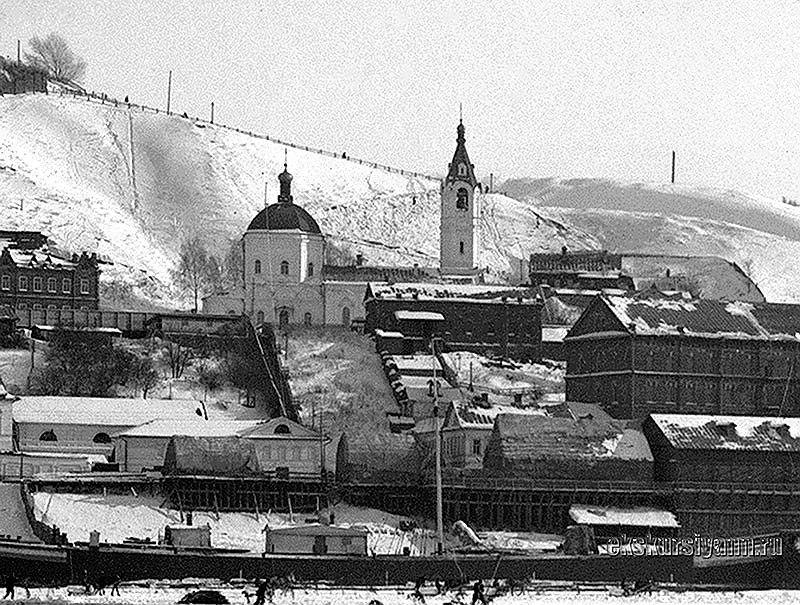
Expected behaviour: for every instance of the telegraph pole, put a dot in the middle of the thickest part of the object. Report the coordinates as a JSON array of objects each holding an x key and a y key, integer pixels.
[
  {"x": 212, "y": 112},
  {"x": 19, "y": 54},
  {"x": 673, "y": 167},
  {"x": 169, "y": 90},
  {"x": 439, "y": 516}
]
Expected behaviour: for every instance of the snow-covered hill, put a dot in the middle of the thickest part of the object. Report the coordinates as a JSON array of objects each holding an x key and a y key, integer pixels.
[
  {"x": 762, "y": 236},
  {"x": 132, "y": 185}
]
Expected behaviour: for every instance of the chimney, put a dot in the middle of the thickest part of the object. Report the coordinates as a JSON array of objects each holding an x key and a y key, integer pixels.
[
  {"x": 359, "y": 259},
  {"x": 563, "y": 250}
]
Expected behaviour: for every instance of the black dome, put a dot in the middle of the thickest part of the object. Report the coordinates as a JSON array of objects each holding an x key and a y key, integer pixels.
[{"x": 284, "y": 216}]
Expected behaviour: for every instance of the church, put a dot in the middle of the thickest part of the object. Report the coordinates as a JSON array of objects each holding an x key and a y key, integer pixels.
[{"x": 284, "y": 278}]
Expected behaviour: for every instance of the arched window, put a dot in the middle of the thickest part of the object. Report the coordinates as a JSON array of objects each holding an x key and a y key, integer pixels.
[
  {"x": 284, "y": 267},
  {"x": 462, "y": 199},
  {"x": 307, "y": 319},
  {"x": 101, "y": 438},
  {"x": 283, "y": 318},
  {"x": 345, "y": 316},
  {"x": 462, "y": 170},
  {"x": 461, "y": 247},
  {"x": 48, "y": 436},
  {"x": 260, "y": 317},
  {"x": 257, "y": 267},
  {"x": 282, "y": 429},
  {"x": 310, "y": 269}
]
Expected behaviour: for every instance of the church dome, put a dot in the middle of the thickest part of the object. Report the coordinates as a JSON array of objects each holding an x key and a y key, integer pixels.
[{"x": 282, "y": 216}]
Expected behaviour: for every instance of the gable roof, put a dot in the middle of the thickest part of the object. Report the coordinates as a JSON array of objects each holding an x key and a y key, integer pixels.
[
  {"x": 109, "y": 411},
  {"x": 747, "y": 433},
  {"x": 678, "y": 316},
  {"x": 474, "y": 417},
  {"x": 585, "y": 436}
]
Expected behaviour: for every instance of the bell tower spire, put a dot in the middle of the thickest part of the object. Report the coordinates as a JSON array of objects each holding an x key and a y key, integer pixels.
[{"x": 458, "y": 253}]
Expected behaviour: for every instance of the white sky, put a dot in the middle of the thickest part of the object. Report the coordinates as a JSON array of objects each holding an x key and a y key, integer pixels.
[{"x": 572, "y": 89}]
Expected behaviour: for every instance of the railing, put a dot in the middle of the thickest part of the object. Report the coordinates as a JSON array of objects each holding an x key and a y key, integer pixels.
[{"x": 106, "y": 100}]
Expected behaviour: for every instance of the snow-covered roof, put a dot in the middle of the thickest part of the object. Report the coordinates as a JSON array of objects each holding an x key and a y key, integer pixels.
[
  {"x": 418, "y": 316},
  {"x": 194, "y": 428},
  {"x": 659, "y": 315},
  {"x": 421, "y": 290},
  {"x": 387, "y": 333},
  {"x": 39, "y": 258},
  {"x": 251, "y": 429},
  {"x": 554, "y": 333},
  {"x": 753, "y": 433},
  {"x": 417, "y": 362},
  {"x": 317, "y": 529},
  {"x": 475, "y": 417},
  {"x": 106, "y": 410},
  {"x": 637, "y": 517}
]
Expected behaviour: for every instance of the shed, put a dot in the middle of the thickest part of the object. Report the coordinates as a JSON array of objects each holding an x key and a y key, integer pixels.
[
  {"x": 585, "y": 443},
  {"x": 317, "y": 539},
  {"x": 611, "y": 521},
  {"x": 213, "y": 456},
  {"x": 188, "y": 535}
]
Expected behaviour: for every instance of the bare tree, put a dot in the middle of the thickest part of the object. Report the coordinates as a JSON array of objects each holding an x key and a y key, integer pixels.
[
  {"x": 198, "y": 271},
  {"x": 53, "y": 55}
]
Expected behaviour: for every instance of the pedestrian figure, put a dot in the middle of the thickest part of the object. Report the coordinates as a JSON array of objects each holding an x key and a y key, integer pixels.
[
  {"x": 478, "y": 595},
  {"x": 417, "y": 594},
  {"x": 115, "y": 586},
  {"x": 25, "y": 584},
  {"x": 261, "y": 592},
  {"x": 10, "y": 581}
]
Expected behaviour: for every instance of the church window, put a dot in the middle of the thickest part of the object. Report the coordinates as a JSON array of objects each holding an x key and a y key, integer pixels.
[
  {"x": 345, "y": 316},
  {"x": 22, "y": 305},
  {"x": 260, "y": 317},
  {"x": 282, "y": 429},
  {"x": 6, "y": 282},
  {"x": 461, "y": 247},
  {"x": 283, "y": 318},
  {"x": 23, "y": 282},
  {"x": 257, "y": 267},
  {"x": 307, "y": 319},
  {"x": 37, "y": 284},
  {"x": 462, "y": 199},
  {"x": 51, "y": 284},
  {"x": 476, "y": 447},
  {"x": 48, "y": 436},
  {"x": 284, "y": 267},
  {"x": 310, "y": 269},
  {"x": 462, "y": 170},
  {"x": 101, "y": 438},
  {"x": 66, "y": 286},
  {"x": 84, "y": 286}
]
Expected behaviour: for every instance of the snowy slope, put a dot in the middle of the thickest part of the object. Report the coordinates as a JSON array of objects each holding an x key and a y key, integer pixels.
[
  {"x": 131, "y": 185},
  {"x": 761, "y": 235}
]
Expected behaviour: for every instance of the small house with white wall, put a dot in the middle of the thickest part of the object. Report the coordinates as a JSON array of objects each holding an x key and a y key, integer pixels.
[{"x": 317, "y": 540}]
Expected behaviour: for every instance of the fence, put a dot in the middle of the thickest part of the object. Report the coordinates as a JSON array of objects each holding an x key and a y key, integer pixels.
[{"x": 105, "y": 99}]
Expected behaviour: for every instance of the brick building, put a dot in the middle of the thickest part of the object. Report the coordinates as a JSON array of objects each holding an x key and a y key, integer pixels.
[
  {"x": 640, "y": 355},
  {"x": 481, "y": 318},
  {"x": 724, "y": 449},
  {"x": 35, "y": 279}
]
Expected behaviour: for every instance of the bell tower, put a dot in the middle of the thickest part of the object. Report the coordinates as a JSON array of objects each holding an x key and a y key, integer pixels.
[{"x": 458, "y": 252}]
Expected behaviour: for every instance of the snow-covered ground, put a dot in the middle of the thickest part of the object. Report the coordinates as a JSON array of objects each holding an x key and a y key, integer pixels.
[
  {"x": 117, "y": 517},
  {"x": 131, "y": 185},
  {"x": 159, "y": 594},
  {"x": 507, "y": 377}
]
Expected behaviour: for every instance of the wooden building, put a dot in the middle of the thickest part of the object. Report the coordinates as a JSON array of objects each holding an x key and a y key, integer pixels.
[
  {"x": 637, "y": 355},
  {"x": 584, "y": 443},
  {"x": 481, "y": 318},
  {"x": 584, "y": 269},
  {"x": 36, "y": 279},
  {"x": 278, "y": 445},
  {"x": 191, "y": 325},
  {"x": 724, "y": 449},
  {"x": 317, "y": 540}
]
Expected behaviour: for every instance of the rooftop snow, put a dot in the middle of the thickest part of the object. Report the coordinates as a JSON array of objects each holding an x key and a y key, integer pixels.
[
  {"x": 418, "y": 316},
  {"x": 706, "y": 318},
  {"x": 638, "y": 517},
  {"x": 464, "y": 291},
  {"x": 107, "y": 411},
  {"x": 754, "y": 433}
]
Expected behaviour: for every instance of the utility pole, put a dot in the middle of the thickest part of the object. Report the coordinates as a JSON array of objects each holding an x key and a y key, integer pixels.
[
  {"x": 212, "y": 112},
  {"x": 19, "y": 54},
  {"x": 169, "y": 90},
  {"x": 491, "y": 182},
  {"x": 439, "y": 519},
  {"x": 673, "y": 167}
]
